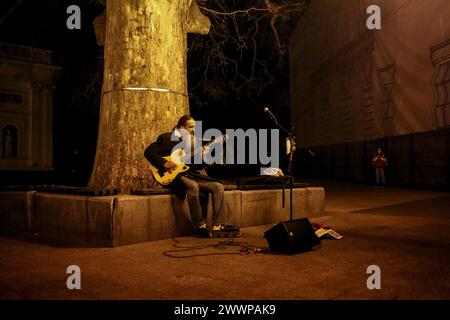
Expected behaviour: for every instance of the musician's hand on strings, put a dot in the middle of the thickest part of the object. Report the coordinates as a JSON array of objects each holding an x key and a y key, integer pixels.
[{"x": 169, "y": 165}]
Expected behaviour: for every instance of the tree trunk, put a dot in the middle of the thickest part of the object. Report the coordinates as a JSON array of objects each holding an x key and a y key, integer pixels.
[{"x": 145, "y": 48}]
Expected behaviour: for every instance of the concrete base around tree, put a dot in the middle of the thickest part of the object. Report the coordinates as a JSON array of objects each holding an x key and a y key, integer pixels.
[{"x": 126, "y": 219}]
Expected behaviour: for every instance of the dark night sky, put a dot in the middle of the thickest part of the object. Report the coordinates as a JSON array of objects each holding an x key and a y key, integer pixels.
[{"x": 42, "y": 24}]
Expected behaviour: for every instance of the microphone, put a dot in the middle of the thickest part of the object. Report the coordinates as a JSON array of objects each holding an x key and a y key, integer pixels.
[{"x": 266, "y": 110}]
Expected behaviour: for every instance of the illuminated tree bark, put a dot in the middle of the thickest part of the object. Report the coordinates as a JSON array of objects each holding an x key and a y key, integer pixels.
[{"x": 145, "y": 49}]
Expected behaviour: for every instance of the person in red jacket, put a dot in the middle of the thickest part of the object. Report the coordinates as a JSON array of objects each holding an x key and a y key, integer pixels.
[{"x": 379, "y": 162}]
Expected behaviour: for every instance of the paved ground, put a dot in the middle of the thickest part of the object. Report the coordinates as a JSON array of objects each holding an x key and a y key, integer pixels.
[{"x": 405, "y": 232}]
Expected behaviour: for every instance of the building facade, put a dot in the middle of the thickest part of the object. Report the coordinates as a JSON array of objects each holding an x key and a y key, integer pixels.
[
  {"x": 26, "y": 108},
  {"x": 354, "y": 89}
]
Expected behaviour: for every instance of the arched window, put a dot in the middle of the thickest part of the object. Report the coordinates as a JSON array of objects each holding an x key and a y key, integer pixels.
[{"x": 9, "y": 142}]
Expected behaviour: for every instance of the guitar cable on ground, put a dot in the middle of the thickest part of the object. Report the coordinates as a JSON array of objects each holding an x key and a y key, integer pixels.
[{"x": 244, "y": 248}]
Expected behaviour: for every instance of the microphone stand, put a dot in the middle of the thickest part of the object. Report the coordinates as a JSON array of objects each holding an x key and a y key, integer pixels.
[{"x": 293, "y": 147}]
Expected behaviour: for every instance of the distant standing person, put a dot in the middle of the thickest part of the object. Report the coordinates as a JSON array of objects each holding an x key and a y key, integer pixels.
[{"x": 379, "y": 162}]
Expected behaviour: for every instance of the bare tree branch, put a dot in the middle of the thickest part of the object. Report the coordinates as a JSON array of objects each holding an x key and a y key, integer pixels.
[
  {"x": 246, "y": 11},
  {"x": 246, "y": 46}
]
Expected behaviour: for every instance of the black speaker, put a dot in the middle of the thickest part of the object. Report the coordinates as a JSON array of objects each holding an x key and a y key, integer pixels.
[{"x": 292, "y": 236}]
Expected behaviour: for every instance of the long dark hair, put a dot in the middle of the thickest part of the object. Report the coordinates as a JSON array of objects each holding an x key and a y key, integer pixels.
[{"x": 183, "y": 120}]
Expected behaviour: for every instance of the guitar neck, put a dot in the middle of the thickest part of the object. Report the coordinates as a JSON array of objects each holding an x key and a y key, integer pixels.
[{"x": 219, "y": 139}]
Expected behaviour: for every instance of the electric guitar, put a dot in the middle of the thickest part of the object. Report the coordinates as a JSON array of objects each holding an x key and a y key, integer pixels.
[{"x": 165, "y": 176}]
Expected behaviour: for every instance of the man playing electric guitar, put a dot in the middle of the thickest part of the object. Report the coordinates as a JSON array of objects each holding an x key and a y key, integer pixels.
[{"x": 191, "y": 182}]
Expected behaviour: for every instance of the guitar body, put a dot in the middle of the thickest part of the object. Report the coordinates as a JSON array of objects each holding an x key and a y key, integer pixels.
[{"x": 165, "y": 177}]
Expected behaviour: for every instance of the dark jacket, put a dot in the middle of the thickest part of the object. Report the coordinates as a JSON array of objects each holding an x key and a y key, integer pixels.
[{"x": 162, "y": 147}]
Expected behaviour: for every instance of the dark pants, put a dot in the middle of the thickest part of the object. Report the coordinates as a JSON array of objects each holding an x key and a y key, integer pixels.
[{"x": 193, "y": 190}]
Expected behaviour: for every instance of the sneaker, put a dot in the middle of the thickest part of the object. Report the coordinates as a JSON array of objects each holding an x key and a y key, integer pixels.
[{"x": 203, "y": 231}]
